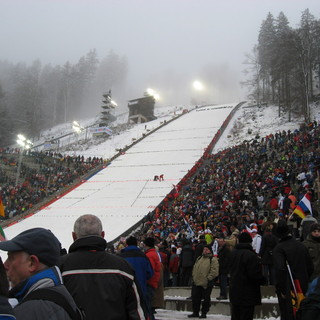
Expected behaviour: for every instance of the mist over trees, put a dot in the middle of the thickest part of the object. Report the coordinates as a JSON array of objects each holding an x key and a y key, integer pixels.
[
  {"x": 284, "y": 67},
  {"x": 34, "y": 97}
]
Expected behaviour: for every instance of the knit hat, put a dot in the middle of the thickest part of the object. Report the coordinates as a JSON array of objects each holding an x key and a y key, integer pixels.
[
  {"x": 209, "y": 247},
  {"x": 282, "y": 228},
  {"x": 315, "y": 226},
  {"x": 244, "y": 237},
  {"x": 36, "y": 241},
  {"x": 149, "y": 242}
]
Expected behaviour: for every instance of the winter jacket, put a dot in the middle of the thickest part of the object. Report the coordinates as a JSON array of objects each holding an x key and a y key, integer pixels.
[
  {"x": 141, "y": 265},
  {"x": 313, "y": 246},
  {"x": 41, "y": 309},
  {"x": 103, "y": 284},
  {"x": 187, "y": 256},
  {"x": 6, "y": 312},
  {"x": 155, "y": 261},
  {"x": 310, "y": 306},
  {"x": 296, "y": 254},
  {"x": 305, "y": 226},
  {"x": 245, "y": 276},
  {"x": 269, "y": 241},
  {"x": 205, "y": 269},
  {"x": 174, "y": 263},
  {"x": 224, "y": 254}
]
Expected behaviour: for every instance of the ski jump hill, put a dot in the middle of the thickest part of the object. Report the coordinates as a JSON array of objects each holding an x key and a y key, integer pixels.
[{"x": 124, "y": 192}]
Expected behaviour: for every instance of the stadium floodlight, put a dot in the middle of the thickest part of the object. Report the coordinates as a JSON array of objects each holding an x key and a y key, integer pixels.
[
  {"x": 25, "y": 144},
  {"x": 198, "y": 85},
  {"x": 153, "y": 93},
  {"x": 77, "y": 127},
  {"x": 113, "y": 103}
]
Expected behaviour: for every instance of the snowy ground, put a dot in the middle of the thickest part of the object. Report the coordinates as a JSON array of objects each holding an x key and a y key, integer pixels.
[{"x": 163, "y": 314}]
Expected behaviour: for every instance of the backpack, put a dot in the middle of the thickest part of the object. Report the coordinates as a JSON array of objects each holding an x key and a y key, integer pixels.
[{"x": 57, "y": 298}]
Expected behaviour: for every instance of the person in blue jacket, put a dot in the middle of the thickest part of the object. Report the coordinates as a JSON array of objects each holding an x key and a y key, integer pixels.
[{"x": 139, "y": 261}]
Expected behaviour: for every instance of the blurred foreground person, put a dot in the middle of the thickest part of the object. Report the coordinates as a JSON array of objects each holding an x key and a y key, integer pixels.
[
  {"x": 101, "y": 283},
  {"x": 245, "y": 279},
  {"x": 35, "y": 278},
  {"x": 6, "y": 312},
  {"x": 205, "y": 270}
]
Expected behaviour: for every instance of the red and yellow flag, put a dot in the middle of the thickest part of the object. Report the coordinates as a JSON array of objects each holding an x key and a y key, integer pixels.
[{"x": 1, "y": 207}]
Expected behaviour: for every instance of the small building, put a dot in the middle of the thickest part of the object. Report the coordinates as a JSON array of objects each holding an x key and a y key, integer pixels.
[{"x": 141, "y": 109}]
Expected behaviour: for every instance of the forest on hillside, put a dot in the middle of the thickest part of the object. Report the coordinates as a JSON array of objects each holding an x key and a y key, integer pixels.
[
  {"x": 284, "y": 66},
  {"x": 34, "y": 97}
]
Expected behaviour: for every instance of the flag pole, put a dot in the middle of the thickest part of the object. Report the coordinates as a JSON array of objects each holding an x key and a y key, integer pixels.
[{"x": 291, "y": 278}]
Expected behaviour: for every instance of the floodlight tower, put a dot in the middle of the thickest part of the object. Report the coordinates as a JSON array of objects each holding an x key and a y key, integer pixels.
[{"x": 107, "y": 110}]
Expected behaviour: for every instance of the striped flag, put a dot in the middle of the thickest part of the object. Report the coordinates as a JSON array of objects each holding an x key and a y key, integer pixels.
[
  {"x": 190, "y": 231},
  {"x": 303, "y": 206}
]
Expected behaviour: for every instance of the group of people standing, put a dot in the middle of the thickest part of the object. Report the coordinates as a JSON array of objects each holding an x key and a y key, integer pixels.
[
  {"x": 295, "y": 271},
  {"x": 86, "y": 283}
]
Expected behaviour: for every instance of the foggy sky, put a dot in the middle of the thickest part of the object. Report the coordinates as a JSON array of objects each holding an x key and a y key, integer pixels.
[{"x": 168, "y": 43}]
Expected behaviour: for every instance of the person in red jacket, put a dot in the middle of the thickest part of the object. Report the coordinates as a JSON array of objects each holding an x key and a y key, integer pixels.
[
  {"x": 153, "y": 282},
  {"x": 174, "y": 266}
]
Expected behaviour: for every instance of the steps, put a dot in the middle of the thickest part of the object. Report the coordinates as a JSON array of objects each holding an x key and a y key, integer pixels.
[{"x": 176, "y": 299}]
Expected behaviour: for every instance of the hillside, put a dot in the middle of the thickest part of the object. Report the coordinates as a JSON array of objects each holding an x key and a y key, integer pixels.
[
  {"x": 252, "y": 122},
  {"x": 249, "y": 123}
]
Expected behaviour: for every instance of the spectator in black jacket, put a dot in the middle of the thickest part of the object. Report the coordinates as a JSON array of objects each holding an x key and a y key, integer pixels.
[
  {"x": 101, "y": 283},
  {"x": 224, "y": 255},
  {"x": 245, "y": 279},
  {"x": 186, "y": 263},
  {"x": 290, "y": 253},
  {"x": 269, "y": 241}
]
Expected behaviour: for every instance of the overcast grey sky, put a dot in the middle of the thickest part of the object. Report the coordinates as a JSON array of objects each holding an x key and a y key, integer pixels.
[{"x": 168, "y": 43}]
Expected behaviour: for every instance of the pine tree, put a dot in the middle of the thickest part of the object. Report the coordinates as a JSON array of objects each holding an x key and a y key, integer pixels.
[{"x": 266, "y": 51}]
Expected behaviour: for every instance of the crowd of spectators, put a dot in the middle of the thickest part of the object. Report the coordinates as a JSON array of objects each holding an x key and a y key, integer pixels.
[
  {"x": 240, "y": 187},
  {"x": 49, "y": 173}
]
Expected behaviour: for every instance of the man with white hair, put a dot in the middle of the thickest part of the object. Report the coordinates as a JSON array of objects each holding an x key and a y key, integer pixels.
[{"x": 101, "y": 283}]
